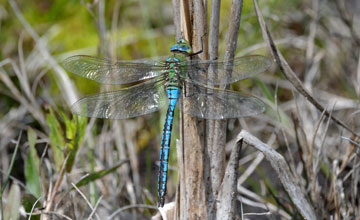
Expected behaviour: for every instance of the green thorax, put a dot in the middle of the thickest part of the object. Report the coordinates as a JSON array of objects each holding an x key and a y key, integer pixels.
[
  {"x": 176, "y": 63},
  {"x": 176, "y": 69}
]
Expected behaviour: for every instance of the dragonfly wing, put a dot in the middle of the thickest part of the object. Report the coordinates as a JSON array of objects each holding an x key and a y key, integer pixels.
[
  {"x": 104, "y": 71},
  {"x": 141, "y": 99},
  {"x": 213, "y": 103},
  {"x": 213, "y": 72}
]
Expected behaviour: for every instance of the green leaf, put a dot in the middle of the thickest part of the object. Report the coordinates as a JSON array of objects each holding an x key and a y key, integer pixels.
[
  {"x": 12, "y": 207},
  {"x": 57, "y": 140},
  {"x": 28, "y": 203},
  {"x": 97, "y": 175},
  {"x": 70, "y": 126},
  {"x": 265, "y": 90},
  {"x": 32, "y": 164},
  {"x": 75, "y": 132}
]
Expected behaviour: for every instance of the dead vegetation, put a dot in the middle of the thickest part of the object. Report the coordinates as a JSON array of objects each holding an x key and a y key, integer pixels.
[{"x": 299, "y": 160}]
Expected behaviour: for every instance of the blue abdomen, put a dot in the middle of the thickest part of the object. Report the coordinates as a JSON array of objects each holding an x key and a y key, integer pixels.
[{"x": 173, "y": 95}]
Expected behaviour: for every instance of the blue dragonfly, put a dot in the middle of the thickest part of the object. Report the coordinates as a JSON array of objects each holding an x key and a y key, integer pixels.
[{"x": 161, "y": 83}]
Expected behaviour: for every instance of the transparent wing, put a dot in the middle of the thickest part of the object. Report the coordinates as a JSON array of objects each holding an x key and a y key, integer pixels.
[
  {"x": 212, "y": 103},
  {"x": 211, "y": 72},
  {"x": 134, "y": 101},
  {"x": 104, "y": 71}
]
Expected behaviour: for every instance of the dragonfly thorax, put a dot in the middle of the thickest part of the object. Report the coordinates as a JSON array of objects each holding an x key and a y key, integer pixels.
[{"x": 176, "y": 70}]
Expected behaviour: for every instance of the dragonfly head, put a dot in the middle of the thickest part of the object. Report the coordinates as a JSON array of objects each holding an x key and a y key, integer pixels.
[{"x": 181, "y": 46}]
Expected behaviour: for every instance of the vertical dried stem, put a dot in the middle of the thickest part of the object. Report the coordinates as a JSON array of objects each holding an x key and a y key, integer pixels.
[
  {"x": 215, "y": 129},
  {"x": 191, "y": 195},
  {"x": 176, "y": 11},
  {"x": 214, "y": 29},
  {"x": 226, "y": 208},
  {"x": 185, "y": 23},
  {"x": 233, "y": 31},
  {"x": 202, "y": 161}
]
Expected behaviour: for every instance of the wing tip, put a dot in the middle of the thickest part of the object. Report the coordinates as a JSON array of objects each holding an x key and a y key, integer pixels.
[
  {"x": 261, "y": 105},
  {"x": 76, "y": 108},
  {"x": 67, "y": 62},
  {"x": 70, "y": 62}
]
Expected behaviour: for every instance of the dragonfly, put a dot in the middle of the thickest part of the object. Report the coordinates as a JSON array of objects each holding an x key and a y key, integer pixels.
[{"x": 178, "y": 79}]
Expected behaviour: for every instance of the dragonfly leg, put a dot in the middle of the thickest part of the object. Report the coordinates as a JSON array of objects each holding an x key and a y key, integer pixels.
[{"x": 202, "y": 47}]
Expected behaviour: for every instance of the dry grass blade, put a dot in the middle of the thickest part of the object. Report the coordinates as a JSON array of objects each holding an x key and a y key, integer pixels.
[
  {"x": 64, "y": 82},
  {"x": 33, "y": 207},
  {"x": 289, "y": 73},
  {"x": 130, "y": 207},
  {"x": 252, "y": 199},
  {"x": 94, "y": 209},
  {"x": 254, "y": 164},
  {"x": 31, "y": 105},
  {"x": 51, "y": 214},
  {"x": 87, "y": 201},
  {"x": 287, "y": 179}
]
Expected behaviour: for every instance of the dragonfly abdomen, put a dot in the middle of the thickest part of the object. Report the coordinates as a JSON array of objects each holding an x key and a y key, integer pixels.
[{"x": 173, "y": 95}]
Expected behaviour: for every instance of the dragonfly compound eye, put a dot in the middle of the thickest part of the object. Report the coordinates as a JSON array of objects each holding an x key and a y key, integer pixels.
[{"x": 181, "y": 46}]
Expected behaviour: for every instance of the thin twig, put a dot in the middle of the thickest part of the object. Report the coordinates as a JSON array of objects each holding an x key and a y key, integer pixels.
[
  {"x": 33, "y": 207},
  {"x": 84, "y": 197},
  {"x": 261, "y": 203},
  {"x": 53, "y": 192},
  {"x": 94, "y": 209},
  {"x": 257, "y": 214},
  {"x": 50, "y": 213},
  {"x": 309, "y": 161}
]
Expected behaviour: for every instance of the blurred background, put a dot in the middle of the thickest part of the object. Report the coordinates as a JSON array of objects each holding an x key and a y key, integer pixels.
[{"x": 114, "y": 163}]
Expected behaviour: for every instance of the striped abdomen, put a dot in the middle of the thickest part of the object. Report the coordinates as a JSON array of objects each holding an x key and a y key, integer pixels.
[{"x": 173, "y": 95}]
